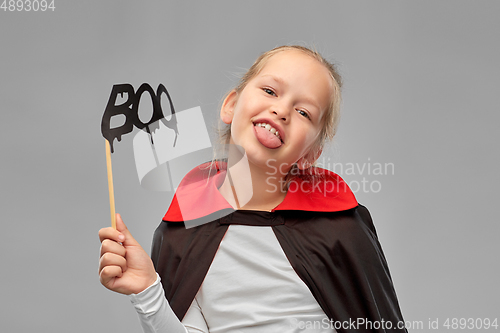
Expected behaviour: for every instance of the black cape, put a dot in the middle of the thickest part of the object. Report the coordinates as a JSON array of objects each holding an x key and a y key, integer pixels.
[{"x": 336, "y": 253}]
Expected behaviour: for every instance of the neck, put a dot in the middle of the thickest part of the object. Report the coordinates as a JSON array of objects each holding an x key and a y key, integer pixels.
[{"x": 251, "y": 187}]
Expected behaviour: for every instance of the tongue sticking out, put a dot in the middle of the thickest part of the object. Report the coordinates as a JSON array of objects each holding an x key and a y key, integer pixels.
[{"x": 267, "y": 138}]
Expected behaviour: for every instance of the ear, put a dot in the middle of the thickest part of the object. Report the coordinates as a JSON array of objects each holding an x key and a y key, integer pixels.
[
  {"x": 308, "y": 160},
  {"x": 227, "y": 109}
]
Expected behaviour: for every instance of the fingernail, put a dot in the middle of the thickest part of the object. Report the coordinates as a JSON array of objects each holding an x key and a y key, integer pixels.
[{"x": 121, "y": 237}]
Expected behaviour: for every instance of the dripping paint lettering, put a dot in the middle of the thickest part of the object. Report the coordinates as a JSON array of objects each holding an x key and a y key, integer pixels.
[{"x": 130, "y": 109}]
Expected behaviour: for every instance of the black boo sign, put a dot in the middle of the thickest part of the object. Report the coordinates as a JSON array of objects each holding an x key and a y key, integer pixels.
[{"x": 130, "y": 110}]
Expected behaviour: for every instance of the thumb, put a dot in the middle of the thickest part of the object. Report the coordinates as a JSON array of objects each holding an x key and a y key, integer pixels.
[{"x": 121, "y": 227}]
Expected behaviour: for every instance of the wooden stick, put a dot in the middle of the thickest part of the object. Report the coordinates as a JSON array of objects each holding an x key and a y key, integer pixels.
[{"x": 110, "y": 185}]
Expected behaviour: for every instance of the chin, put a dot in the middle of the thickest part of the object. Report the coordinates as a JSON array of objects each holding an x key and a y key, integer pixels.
[{"x": 259, "y": 159}]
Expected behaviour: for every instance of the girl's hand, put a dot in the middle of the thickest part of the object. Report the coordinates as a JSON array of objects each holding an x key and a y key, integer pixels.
[{"x": 124, "y": 266}]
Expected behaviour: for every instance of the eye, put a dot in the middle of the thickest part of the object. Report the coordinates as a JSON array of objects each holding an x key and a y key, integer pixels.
[
  {"x": 303, "y": 113},
  {"x": 269, "y": 91}
]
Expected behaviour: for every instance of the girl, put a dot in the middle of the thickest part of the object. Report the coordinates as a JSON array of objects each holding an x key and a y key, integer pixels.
[{"x": 270, "y": 245}]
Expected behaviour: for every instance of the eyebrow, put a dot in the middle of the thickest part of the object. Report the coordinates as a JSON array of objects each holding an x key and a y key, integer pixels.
[{"x": 275, "y": 78}]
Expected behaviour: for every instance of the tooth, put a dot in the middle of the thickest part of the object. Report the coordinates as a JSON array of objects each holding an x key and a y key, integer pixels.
[{"x": 269, "y": 128}]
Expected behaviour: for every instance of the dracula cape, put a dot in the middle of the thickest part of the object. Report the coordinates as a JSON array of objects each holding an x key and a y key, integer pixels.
[{"x": 328, "y": 238}]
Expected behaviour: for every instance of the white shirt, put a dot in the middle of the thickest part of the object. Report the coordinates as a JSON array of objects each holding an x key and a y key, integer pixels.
[{"x": 249, "y": 287}]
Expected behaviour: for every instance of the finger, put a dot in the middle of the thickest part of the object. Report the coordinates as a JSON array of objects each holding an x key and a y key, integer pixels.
[
  {"x": 111, "y": 259},
  {"x": 111, "y": 246},
  {"x": 121, "y": 227},
  {"x": 109, "y": 273},
  {"x": 110, "y": 233}
]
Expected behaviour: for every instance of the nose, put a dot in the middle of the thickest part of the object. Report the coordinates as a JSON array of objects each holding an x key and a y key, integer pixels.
[
  {"x": 282, "y": 111},
  {"x": 279, "y": 115}
]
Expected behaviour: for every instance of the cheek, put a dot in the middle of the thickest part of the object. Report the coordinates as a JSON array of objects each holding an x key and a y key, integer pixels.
[
  {"x": 237, "y": 123},
  {"x": 305, "y": 142},
  {"x": 311, "y": 135},
  {"x": 245, "y": 110},
  {"x": 310, "y": 140}
]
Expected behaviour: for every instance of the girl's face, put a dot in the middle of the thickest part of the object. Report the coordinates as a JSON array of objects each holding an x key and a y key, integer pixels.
[{"x": 290, "y": 95}]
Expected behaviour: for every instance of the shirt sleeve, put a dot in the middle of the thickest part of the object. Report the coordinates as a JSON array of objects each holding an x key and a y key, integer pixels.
[{"x": 156, "y": 315}]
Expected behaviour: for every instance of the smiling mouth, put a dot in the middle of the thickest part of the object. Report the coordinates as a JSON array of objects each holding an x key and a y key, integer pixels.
[{"x": 270, "y": 129}]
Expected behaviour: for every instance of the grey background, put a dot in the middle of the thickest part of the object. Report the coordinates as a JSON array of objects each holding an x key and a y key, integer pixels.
[{"x": 421, "y": 91}]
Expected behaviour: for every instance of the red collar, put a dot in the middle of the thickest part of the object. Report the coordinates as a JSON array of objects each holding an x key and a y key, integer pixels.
[{"x": 198, "y": 195}]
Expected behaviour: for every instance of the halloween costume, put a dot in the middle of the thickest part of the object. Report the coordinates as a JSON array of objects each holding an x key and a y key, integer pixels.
[{"x": 327, "y": 237}]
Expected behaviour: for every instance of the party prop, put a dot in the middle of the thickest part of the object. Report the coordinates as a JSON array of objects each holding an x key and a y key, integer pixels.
[
  {"x": 110, "y": 186},
  {"x": 165, "y": 148},
  {"x": 130, "y": 110}
]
